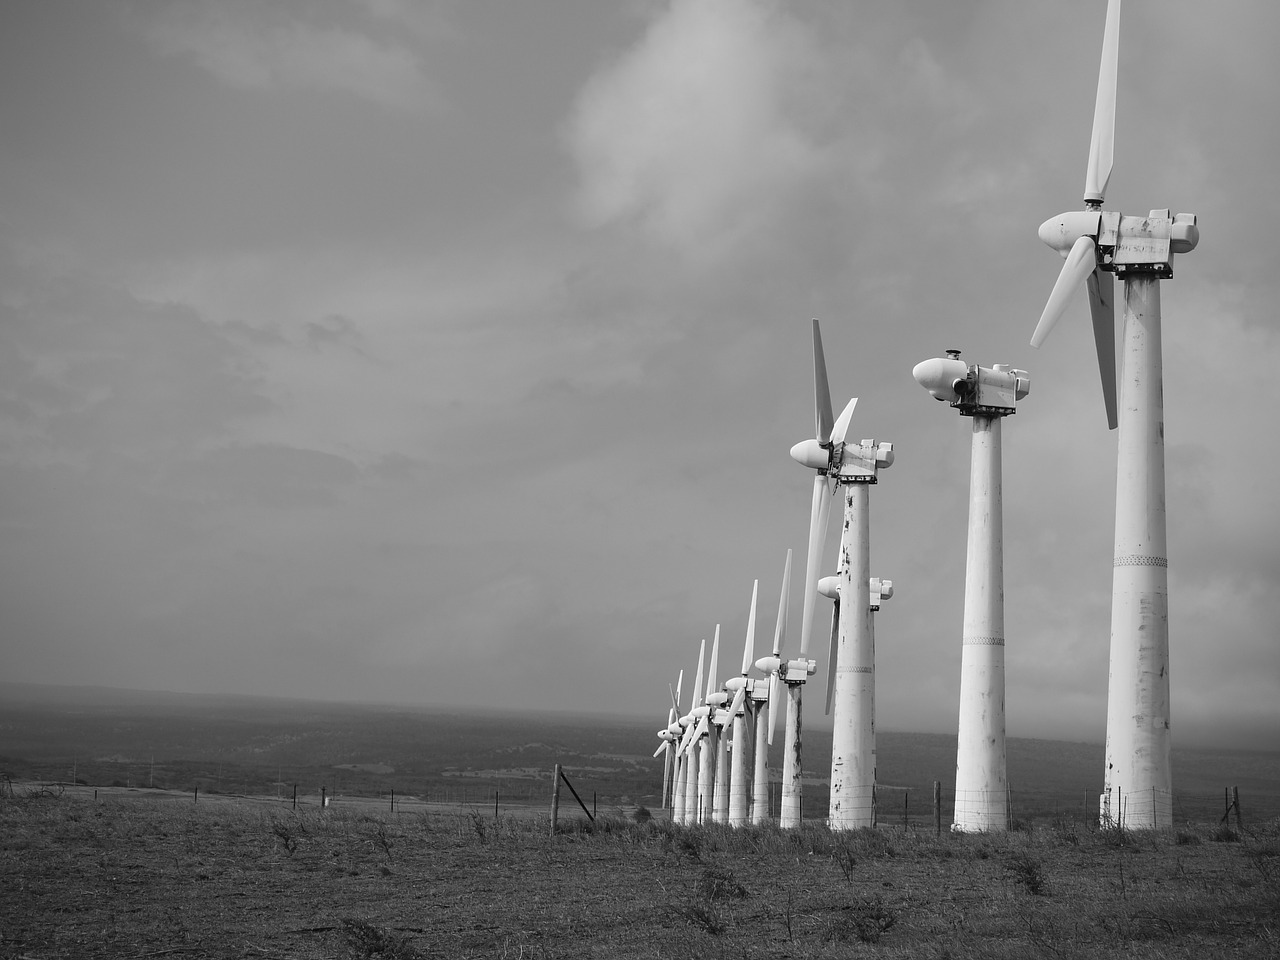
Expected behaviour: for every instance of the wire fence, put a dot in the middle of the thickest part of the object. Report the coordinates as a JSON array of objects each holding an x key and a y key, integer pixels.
[{"x": 909, "y": 808}]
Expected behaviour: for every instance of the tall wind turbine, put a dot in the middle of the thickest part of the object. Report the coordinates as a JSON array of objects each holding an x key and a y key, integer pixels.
[
  {"x": 670, "y": 737},
  {"x": 987, "y": 395},
  {"x": 764, "y": 694},
  {"x": 1098, "y": 244},
  {"x": 701, "y": 741},
  {"x": 794, "y": 675},
  {"x": 740, "y": 686},
  {"x": 818, "y": 454},
  {"x": 853, "y": 467},
  {"x": 687, "y": 752}
]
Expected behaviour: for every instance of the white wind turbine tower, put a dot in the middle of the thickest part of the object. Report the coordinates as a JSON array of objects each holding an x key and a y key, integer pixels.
[
  {"x": 855, "y": 468},
  {"x": 986, "y": 394},
  {"x": 858, "y": 809},
  {"x": 764, "y": 695},
  {"x": 1098, "y": 244}
]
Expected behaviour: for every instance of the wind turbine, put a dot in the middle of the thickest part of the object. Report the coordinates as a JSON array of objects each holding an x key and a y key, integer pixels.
[
  {"x": 853, "y": 467},
  {"x": 1098, "y": 244},
  {"x": 701, "y": 741},
  {"x": 987, "y": 395},
  {"x": 765, "y": 695},
  {"x": 670, "y": 737},
  {"x": 687, "y": 752},
  {"x": 738, "y": 798}
]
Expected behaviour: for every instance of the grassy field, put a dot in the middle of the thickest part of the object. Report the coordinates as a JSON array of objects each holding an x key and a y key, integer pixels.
[{"x": 133, "y": 875}]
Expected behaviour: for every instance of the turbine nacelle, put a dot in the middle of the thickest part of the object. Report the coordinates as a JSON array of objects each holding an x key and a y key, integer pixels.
[
  {"x": 791, "y": 671},
  {"x": 794, "y": 671},
  {"x": 881, "y": 590},
  {"x": 973, "y": 389},
  {"x": 1123, "y": 243}
]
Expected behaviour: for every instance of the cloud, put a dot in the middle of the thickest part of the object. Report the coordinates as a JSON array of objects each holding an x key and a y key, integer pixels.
[
  {"x": 238, "y": 45},
  {"x": 689, "y": 134}
]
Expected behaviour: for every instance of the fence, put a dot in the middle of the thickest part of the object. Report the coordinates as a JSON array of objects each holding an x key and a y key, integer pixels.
[{"x": 933, "y": 807}]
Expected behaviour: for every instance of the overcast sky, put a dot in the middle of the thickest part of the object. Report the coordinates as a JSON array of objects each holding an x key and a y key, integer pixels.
[{"x": 451, "y": 352}]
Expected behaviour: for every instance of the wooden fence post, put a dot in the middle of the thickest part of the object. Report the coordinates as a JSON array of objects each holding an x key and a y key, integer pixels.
[
  {"x": 937, "y": 808},
  {"x": 555, "y": 799}
]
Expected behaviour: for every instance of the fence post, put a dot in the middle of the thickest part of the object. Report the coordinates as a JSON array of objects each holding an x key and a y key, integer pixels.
[
  {"x": 295, "y": 796},
  {"x": 555, "y": 799},
  {"x": 937, "y": 807},
  {"x": 906, "y": 808},
  {"x": 495, "y": 804},
  {"x": 195, "y": 796}
]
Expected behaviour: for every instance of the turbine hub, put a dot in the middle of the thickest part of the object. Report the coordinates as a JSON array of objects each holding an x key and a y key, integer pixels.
[
  {"x": 811, "y": 454},
  {"x": 1061, "y": 232}
]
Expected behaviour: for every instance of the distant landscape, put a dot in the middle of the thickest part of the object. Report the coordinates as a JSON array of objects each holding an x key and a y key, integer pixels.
[{"x": 264, "y": 747}]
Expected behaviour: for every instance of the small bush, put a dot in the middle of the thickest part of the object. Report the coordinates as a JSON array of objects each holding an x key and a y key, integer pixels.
[
  {"x": 1028, "y": 871},
  {"x": 1224, "y": 834}
]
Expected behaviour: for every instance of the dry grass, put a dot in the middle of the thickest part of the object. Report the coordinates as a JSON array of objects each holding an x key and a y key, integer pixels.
[{"x": 116, "y": 878}]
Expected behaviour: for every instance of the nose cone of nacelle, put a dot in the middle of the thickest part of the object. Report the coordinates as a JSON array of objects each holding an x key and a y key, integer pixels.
[
  {"x": 1061, "y": 232},
  {"x": 768, "y": 664},
  {"x": 829, "y": 587},
  {"x": 810, "y": 453},
  {"x": 939, "y": 376}
]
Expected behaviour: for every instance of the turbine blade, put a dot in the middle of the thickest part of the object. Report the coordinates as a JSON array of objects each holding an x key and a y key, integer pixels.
[
  {"x": 697, "y": 683},
  {"x": 751, "y": 631},
  {"x": 712, "y": 686},
  {"x": 675, "y": 701},
  {"x": 685, "y": 738},
  {"x": 841, "y": 428},
  {"x": 784, "y": 603},
  {"x": 819, "y": 513},
  {"x": 704, "y": 725},
  {"x": 831, "y": 660},
  {"x": 1102, "y": 308},
  {"x": 1102, "y": 143},
  {"x": 737, "y": 701},
  {"x": 665, "y": 746},
  {"x": 821, "y": 391},
  {"x": 1081, "y": 261}
]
